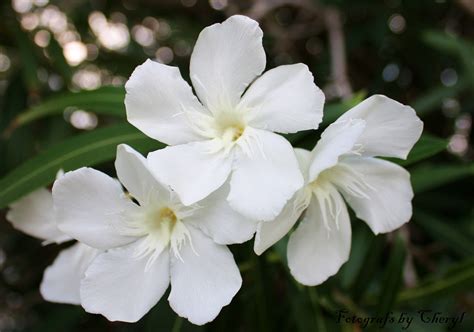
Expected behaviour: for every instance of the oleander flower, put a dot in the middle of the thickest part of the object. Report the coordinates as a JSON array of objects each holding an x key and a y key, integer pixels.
[
  {"x": 149, "y": 240},
  {"x": 33, "y": 215},
  {"x": 342, "y": 164},
  {"x": 231, "y": 130}
]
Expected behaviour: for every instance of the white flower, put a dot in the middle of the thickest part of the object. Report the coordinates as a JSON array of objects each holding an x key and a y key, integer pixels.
[
  {"x": 34, "y": 215},
  {"x": 149, "y": 241},
  {"x": 226, "y": 131},
  {"x": 343, "y": 162}
]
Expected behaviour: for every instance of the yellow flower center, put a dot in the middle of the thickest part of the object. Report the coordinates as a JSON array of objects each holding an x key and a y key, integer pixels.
[
  {"x": 233, "y": 133},
  {"x": 166, "y": 215}
]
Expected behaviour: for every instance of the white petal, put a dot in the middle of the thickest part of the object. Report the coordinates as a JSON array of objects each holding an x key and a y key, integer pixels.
[
  {"x": 285, "y": 99},
  {"x": 218, "y": 220},
  {"x": 337, "y": 139},
  {"x": 270, "y": 232},
  {"x": 314, "y": 252},
  {"x": 193, "y": 170},
  {"x": 118, "y": 286},
  {"x": 134, "y": 174},
  {"x": 265, "y": 177},
  {"x": 391, "y": 128},
  {"x": 225, "y": 59},
  {"x": 33, "y": 215},
  {"x": 90, "y": 207},
  {"x": 387, "y": 202},
  {"x": 202, "y": 284},
  {"x": 61, "y": 280},
  {"x": 159, "y": 103}
]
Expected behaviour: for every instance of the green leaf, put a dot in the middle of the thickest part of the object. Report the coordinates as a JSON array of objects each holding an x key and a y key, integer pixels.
[
  {"x": 313, "y": 296},
  {"x": 427, "y": 177},
  {"x": 105, "y": 100},
  {"x": 433, "y": 99},
  {"x": 457, "y": 279},
  {"x": 369, "y": 267},
  {"x": 58, "y": 61},
  {"x": 454, "y": 45},
  {"x": 426, "y": 147},
  {"x": 445, "y": 233},
  {"x": 28, "y": 60},
  {"x": 82, "y": 150},
  {"x": 307, "y": 138},
  {"x": 446, "y": 42},
  {"x": 362, "y": 238},
  {"x": 335, "y": 110},
  {"x": 392, "y": 277}
]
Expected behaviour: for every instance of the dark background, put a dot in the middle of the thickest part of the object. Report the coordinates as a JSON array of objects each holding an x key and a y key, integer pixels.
[{"x": 418, "y": 52}]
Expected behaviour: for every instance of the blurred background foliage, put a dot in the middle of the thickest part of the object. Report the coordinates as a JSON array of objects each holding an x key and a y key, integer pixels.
[{"x": 63, "y": 64}]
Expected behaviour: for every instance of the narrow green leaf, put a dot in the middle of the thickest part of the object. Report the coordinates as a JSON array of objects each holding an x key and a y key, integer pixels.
[
  {"x": 333, "y": 111},
  {"x": 370, "y": 263},
  {"x": 445, "y": 233},
  {"x": 428, "y": 177},
  {"x": 361, "y": 240},
  {"x": 82, "y": 150},
  {"x": 433, "y": 99},
  {"x": 105, "y": 100},
  {"x": 313, "y": 296},
  {"x": 446, "y": 42},
  {"x": 461, "y": 48},
  {"x": 308, "y": 138},
  {"x": 300, "y": 307},
  {"x": 58, "y": 61},
  {"x": 392, "y": 277},
  {"x": 27, "y": 56},
  {"x": 426, "y": 147},
  {"x": 457, "y": 279}
]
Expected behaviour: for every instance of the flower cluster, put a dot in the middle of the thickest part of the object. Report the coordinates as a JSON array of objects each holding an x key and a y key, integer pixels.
[{"x": 226, "y": 175}]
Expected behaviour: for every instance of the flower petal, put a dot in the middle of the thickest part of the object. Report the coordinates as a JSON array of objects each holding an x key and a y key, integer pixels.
[
  {"x": 159, "y": 103},
  {"x": 315, "y": 252},
  {"x": 61, "y": 280},
  {"x": 337, "y": 139},
  {"x": 120, "y": 286},
  {"x": 226, "y": 58},
  {"x": 33, "y": 215},
  {"x": 285, "y": 99},
  {"x": 218, "y": 220},
  {"x": 270, "y": 232},
  {"x": 391, "y": 128},
  {"x": 385, "y": 204},
  {"x": 193, "y": 170},
  {"x": 265, "y": 176},
  {"x": 205, "y": 280},
  {"x": 90, "y": 206},
  {"x": 134, "y": 174}
]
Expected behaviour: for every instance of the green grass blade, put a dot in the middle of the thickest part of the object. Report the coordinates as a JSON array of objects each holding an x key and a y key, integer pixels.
[{"x": 82, "y": 150}]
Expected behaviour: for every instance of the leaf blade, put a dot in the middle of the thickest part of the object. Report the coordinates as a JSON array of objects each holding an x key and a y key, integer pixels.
[
  {"x": 427, "y": 146},
  {"x": 106, "y": 100},
  {"x": 460, "y": 277},
  {"x": 428, "y": 177}
]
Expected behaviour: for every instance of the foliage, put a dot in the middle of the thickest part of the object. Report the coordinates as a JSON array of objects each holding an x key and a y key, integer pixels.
[{"x": 427, "y": 61}]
